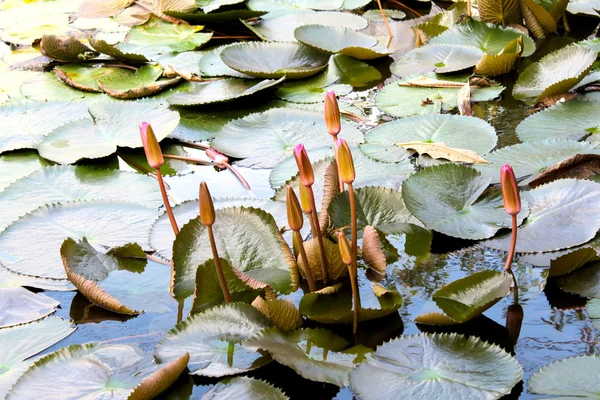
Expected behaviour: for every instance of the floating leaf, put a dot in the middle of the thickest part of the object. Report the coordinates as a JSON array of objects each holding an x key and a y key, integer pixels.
[
  {"x": 86, "y": 77},
  {"x": 280, "y": 6},
  {"x": 282, "y": 27},
  {"x": 30, "y": 245},
  {"x": 247, "y": 238},
  {"x": 274, "y": 60},
  {"x": 554, "y": 74},
  {"x": 216, "y": 17},
  {"x": 570, "y": 378},
  {"x": 531, "y": 159},
  {"x": 337, "y": 39},
  {"x": 311, "y": 90},
  {"x": 566, "y": 205},
  {"x": 375, "y": 15},
  {"x": 436, "y": 58},
  {"x": 142, "y": 83},
  {"x": 213, "y": 340},
  {"x": 579, "y": 166},
  {"x": 429, "y": 363},
  {"x": 220, "y": 91},
  {"x": 569, "y": 262},
  {"x": 113, "y": 125},
  {"x": 440, "y": 150},
  {"x": 22, "y": 306},
  {"x": 453, "y": 131},
  {"x": 448, "y": 199},
  {"x": 66, "y": 50},
  {"x": 503, "y": 12},
  {"x": 242, "y": 387},
  {"x": 137, "y": 374},
  {"x": 265, "y": 139},
  {"x": 322, "y": 361},
  {"x": 350, "y": 71},
  {"x": 103, "y": 47},
  {"x": 25, "y": 341},
  {"x": 16, "y": 165},
  {"x": 501, "y": 63},
  {"x": 10, "y": 279},
  {"x": 99, "y": 9},
  {"x": 283, "y": 313},
  {"x": 583, "y": 281},
  {"x": 211, "y": 64}
]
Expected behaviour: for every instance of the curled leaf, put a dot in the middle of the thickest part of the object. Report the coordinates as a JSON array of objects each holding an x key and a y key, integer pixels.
[{"x": 283, "y": 313}]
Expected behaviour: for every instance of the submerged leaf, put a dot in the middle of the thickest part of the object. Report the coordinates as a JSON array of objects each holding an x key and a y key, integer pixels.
[{"x": 243, "y": 387}]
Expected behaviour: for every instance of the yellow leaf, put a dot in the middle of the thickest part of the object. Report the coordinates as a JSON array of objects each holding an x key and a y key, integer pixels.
[{"x": 440, "y": 150}]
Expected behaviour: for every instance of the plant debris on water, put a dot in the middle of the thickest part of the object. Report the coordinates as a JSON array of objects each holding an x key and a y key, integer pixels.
[{"x": 290, "y": 199}]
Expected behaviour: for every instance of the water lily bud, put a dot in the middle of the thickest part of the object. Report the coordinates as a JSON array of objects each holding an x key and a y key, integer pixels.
[
  {"x": 305, "y": 199},
  {"x": 151, "y": 147},
  {"x": 344, "y": 160},
  {"x": 306, "y": 172},
  {"x": 294, "y": 213},
  {"x": 510, "y": 190},
  {"x": 218, "y": 158},
  {"x": 332, "y": 114},
  {"x": 514, "y": 320},
  {"x": 345, "y": 249},
  {"x": 207, "y": 209}
]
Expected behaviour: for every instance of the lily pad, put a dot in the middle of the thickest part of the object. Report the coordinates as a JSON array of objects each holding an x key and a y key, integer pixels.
[
  {"x": 283, "y": 313},
  {"x": 143, "y": 82},
  {"x": 565, "y": 205},
  {"x": 21, "y": 306},
  {"x": 338, "y": 39},
  {"x": 274, "y": 60},
  {"x": 489, "y": 38},
  {"x": 554, "y": 74},
  {"x": 211, "y": 64},
  {"x": 375, "y": 15},
  {"x": 242, "y": 387},
  {"x": 213, "y": 340},
  {"x": 10, "y": 279},
  {"x": 247, "y": 238},
  {"x": 61, "y": 184},
  {"x": 530, "y": 159},
  {"x": 25, "y": 341},
  {"x": 315, "y": 354},
  {"x": 572, "y": 119},
  {"x": 218, "y": 17},
  {"x": 280, "y": 6},
  {"x": 350, "y": 71},
  {"x": 448, "y": 199},
  {"x": 25, "y": 125},
  {"x": 122, "y": 371},
  {"x": 455, "y": 131},
  {"x": 46, "y": 88},
  {"x": 103, "y": 47},
  {"x": 85, "y": 77},
  {"x": 16, "y": 165},
  {"x": 113, "y": 125},
  {"x": 282, "y": 28},
  {"x": 583, "y": 281},
  {"x": 486, "y": 370},
  {"x": 439, "y": 58},
  {"x": 265, "y": 139},
  {"x": 570, "y": 378},
  {"x": 31, "y": 245},
  {"x": 66, "y": 50},
  {"x": 220, "y": 91}
]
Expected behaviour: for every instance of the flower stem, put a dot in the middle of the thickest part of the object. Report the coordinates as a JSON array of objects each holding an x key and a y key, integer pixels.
[
  {"x": 418, "y": 14},
  {"x": 220, "y": 273},
  {"x": 189, "y": 159},
  {"x": 163, "y": 192},
  {"x": 319, "y": 236},
  {"x": 237, "y": 174},
  {"x": 387, "y": 26},
  {"x": 339, "y": 176},
  {"x": 354, "y": 272},
  {"x": 513, "y": 244},
  {"x": 311, "y": 220},
  {"x": 307, "y": 270}
]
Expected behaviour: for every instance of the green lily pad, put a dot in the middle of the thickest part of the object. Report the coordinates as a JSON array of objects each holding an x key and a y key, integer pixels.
[
  {"x": 158, "y": 36},
  {"x": 113, "y": 125},
  {"x": 572, "y": 119},
  {"x": 436, "y": 58},
  {"x": 103, "y": 47},
  {"x": 312, "y": 90},
  {"x": 46, "y": 88},
  {"x": 455, "y": 131},
  {"x": 588, "y": 7},
  {"x": 286, "y": 6},
  {"x": 282, "y": 28},
  {"x": 219, "y": 91},
  {"x": 22, "y": 306},
  {"x": 209, "y": 6},
  {"x": 257, "y": 249},
  {"x": 350, "y": 71},
  {"x": 86, "y": 77},
  {"x": 121, "y": 371},
  {"x": 185, "y": 65},
  {"x": 466, "y": 298},
  {"x": 274, "y": 60},
  {"x": 448, "y": 198},
  {"x": 404, "y": 101},
  {"x": 554, "y": 74},
  {"x": 218, "y": 17},
  {"x": 143, "y": 82},
  {"x": 243, "y": 387},
  {"x": 375, "y": 15},
  {"x": 489, "y": 38},
  {"x": 531, "y": 159},
  {"x": 582, "y": 281},
  {"x": 25, "y": 125},
  {"x": 375, "y": 206},
  {"x": 211, "y": 64},
  {"x": 31, "y": 245},
  {"x": 24, "y": 342},
  {"x": 570, "y": 378},
  {"x": 429, "y": 362},
  {"x": 66, "y": 50},
  {"x": 569, "y": 262},
  {"x": 565, "y": 205},
  {"x": 315, "y": 354},
  {"x": 16, "y": 165},
  {"x": 338, "y": 39},
  {"x": 10, "y": 279},
  {"x": 265, "y": 139},
  {"x": 60, "y": 184},
  {"x": 214, "y": 339}
]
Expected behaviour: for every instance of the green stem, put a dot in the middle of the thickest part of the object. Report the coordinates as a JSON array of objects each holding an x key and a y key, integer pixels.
[
  {"x": 218, "y": 267},
  {"x": 319, "y": 236},
  {"x": 307, "y": 270},
  {"x": 230, "y": 349},
  {"x": 163, "y": 192},
  {"x": 354, "y": 271}
]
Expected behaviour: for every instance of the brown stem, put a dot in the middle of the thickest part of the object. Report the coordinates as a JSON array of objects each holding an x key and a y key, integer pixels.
[
  {"x": 239, "y": 176},
  {"x": 469, "y": 12},
  {"x": 311, "y": 220},
  {"x": 354, "y": 273},
  {"x": 406, "y": 7},
  {"x": 194, "y": 145},
  {"x": 307, "y": 270},
  {"x": 319, "y": 236},
  {"x": 513, "y": 244},
  {"x": 385, "y": 21},
  {"x": 516, "y": 287},
  {"x": 133, "y": 164},
  {"x": 180, "y": 311},
  {"x": 218, "y": 267},
  {"x": 339, "y": 175},
  {"x": 189, "y": 159},
  {"x": 355, "y": 298},
  {"x": 163, "y": 192}
]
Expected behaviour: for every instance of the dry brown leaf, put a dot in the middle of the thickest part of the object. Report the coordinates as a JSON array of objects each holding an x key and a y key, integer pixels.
[
  {"x": 463, "y": 99},
  {"x": 372, "y": 250},
  {"x": 440, "y": 150},
  {"x": 283, "y": 313},
  {"x": 160, "y": 380},
  {"x": 331, "y": 188},
  {"x": 424, "y": 81},
  {"x": 579, "y": 166}
]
